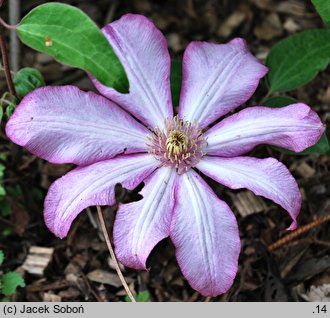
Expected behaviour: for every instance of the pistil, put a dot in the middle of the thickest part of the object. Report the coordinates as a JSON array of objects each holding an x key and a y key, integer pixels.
[{"x": 179, "y": 145}]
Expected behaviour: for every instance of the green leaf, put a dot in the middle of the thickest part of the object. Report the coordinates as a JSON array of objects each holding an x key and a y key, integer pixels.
[
  {"x": 6, "y": 232},
  {"x": 26, "y": 80},
  {"x": 2, "y": 257},
  {"x": 296, "y": 60},
  {"x": 5, "y": 207},
  {"x": 2, "y": 170},
  {"x": 1, "y": 113},
  {"x": 2, "y": 191},
  {"x": 10, "y": 281},
  {"x": 143, "y": 296},
  {"x": 72, "y": 38},
  {"x": 176, "y": 80},
  {"x": 323, "y": 8},
  {"x": 321, "y": 147},
  {"x": 279, "y": 101},
  {"x": 9, "y": 110}
]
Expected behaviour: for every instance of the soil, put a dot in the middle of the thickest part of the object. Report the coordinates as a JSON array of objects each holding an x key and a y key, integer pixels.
[{"x": 78, "y": 268}]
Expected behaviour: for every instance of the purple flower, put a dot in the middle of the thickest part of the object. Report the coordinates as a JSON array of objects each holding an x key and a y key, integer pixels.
[{"x": 66, "y": 125}]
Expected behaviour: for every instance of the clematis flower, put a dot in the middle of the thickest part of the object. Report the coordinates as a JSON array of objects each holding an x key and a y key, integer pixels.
[{"x": 166, "y": 152}]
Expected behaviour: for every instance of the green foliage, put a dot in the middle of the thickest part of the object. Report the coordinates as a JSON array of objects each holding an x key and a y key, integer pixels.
[
  {"x": 2, "y": 257},
  {"x": 7, "y": 105},
  {"x": 9, "y": 110},
  {"x": 323, "y": 8},
  {"x": 279, "y": 101},
  {"x": 176, "y": 80},
  {"x": 142, "y": 296},
  {"x": 2, "y": 174},
  {"x": 321, "y": 147},
  {"x": 26, "y": 80},
  {"x": 297, "y": 59},
  {"x": 72, "y": 38},
  {"x": 9, "y": 281},
  {"x": 5, "y": 208},
  {"x": 2, "y": 189}
]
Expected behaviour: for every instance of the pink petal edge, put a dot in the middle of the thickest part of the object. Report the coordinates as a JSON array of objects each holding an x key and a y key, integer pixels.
[
  {"x": 206, "y": 237},
  {"x": 63, "y": 124},
  {"x": 294, "y": 127},
  {"x": 217, "y": 78},
  {"x": 266, "y": 177},
  {"x": 142, "y": 50},
  {"x": 92, "y": 185},
  {"x": 140, "y": 225}
]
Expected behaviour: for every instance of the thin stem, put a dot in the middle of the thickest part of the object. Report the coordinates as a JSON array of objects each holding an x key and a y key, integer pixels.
[
  {"x": 15, "y": 47},
  {"x": 8, "y": 26},
  {"x": 5, "y": 63},
  {"x": 112, "y": 253},
  {"x": 302, "y": 230},
  {"x": 269, "y": 93}
]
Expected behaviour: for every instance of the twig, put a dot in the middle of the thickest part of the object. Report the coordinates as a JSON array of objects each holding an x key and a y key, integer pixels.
[
  {"x": 290, "y": 237},
  {"x": 111, "y": 12},
  {"x": 269, "y": 93},
  {"x": 8, "y": 26},
  {"x": 15, "y": 48},
  {"x": 44, "y": 288},
  {"x": 112, "y": 253},
  {"x": 5, "y": 221},
  {"x": 4, "y": 55}
]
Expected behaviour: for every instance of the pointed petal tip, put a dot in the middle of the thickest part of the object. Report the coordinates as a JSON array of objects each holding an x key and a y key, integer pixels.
[
  {"x": 212, "y": 291},
  {"x": 293, "y": 226},
  {"x": 92, "y": 185},
  {"x": 134, "y": 262},
  {"x": 50, "y": 123},
  {"x": 294, "y": 127},
  {"x": 243, "y": 43},
  {"x": 140, "y": 225},
  {"x": 265, "y": 177},
  {"x": 143, "y": 52},
  {"x": 207, "y": 244},
  {"x": 217, "y": 78}
]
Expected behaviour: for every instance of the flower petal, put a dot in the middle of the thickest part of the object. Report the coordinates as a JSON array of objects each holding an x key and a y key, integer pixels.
[
  {"x": 142, "y": 49},
  {"x": 67, "y": 125},
  {"x": 216, "y": 79},
  {"x": 266, "y": 177},
  {"x": 93, "y": 185},
  {"x": 205, "y": 233},
  {"x": 140, "y": 225},
  {"x": 294, "y": 127}
]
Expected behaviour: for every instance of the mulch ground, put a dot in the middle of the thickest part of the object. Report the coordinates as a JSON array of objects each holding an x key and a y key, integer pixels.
[{"x": 79, "y": 268}]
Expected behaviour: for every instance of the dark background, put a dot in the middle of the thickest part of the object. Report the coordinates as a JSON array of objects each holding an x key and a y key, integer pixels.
[{"x": 79, "y": 268}]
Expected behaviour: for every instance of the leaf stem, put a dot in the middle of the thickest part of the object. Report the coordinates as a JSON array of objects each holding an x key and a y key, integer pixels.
[
  {"x": 302, "y": 230},
  {"x": 7, "y": 26},
  {"x": 269, "y": 93},
  {"x": 112, "y": 253},
  {"x": 5, "y": 63}
]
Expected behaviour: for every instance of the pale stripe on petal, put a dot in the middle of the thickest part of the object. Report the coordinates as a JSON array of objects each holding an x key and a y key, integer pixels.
[
  {"x": 295, "y": 127},
  {"x": 93, "y": 185},
  {"x": 140, "y": 225},
  {"x": 205, "y": 234},
  {"x": 266, "y": 177}
]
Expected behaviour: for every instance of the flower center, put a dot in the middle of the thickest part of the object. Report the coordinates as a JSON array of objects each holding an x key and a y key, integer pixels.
[
  {"x": 179, "y": 145},
  {"x": 176, "y": 143}
]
